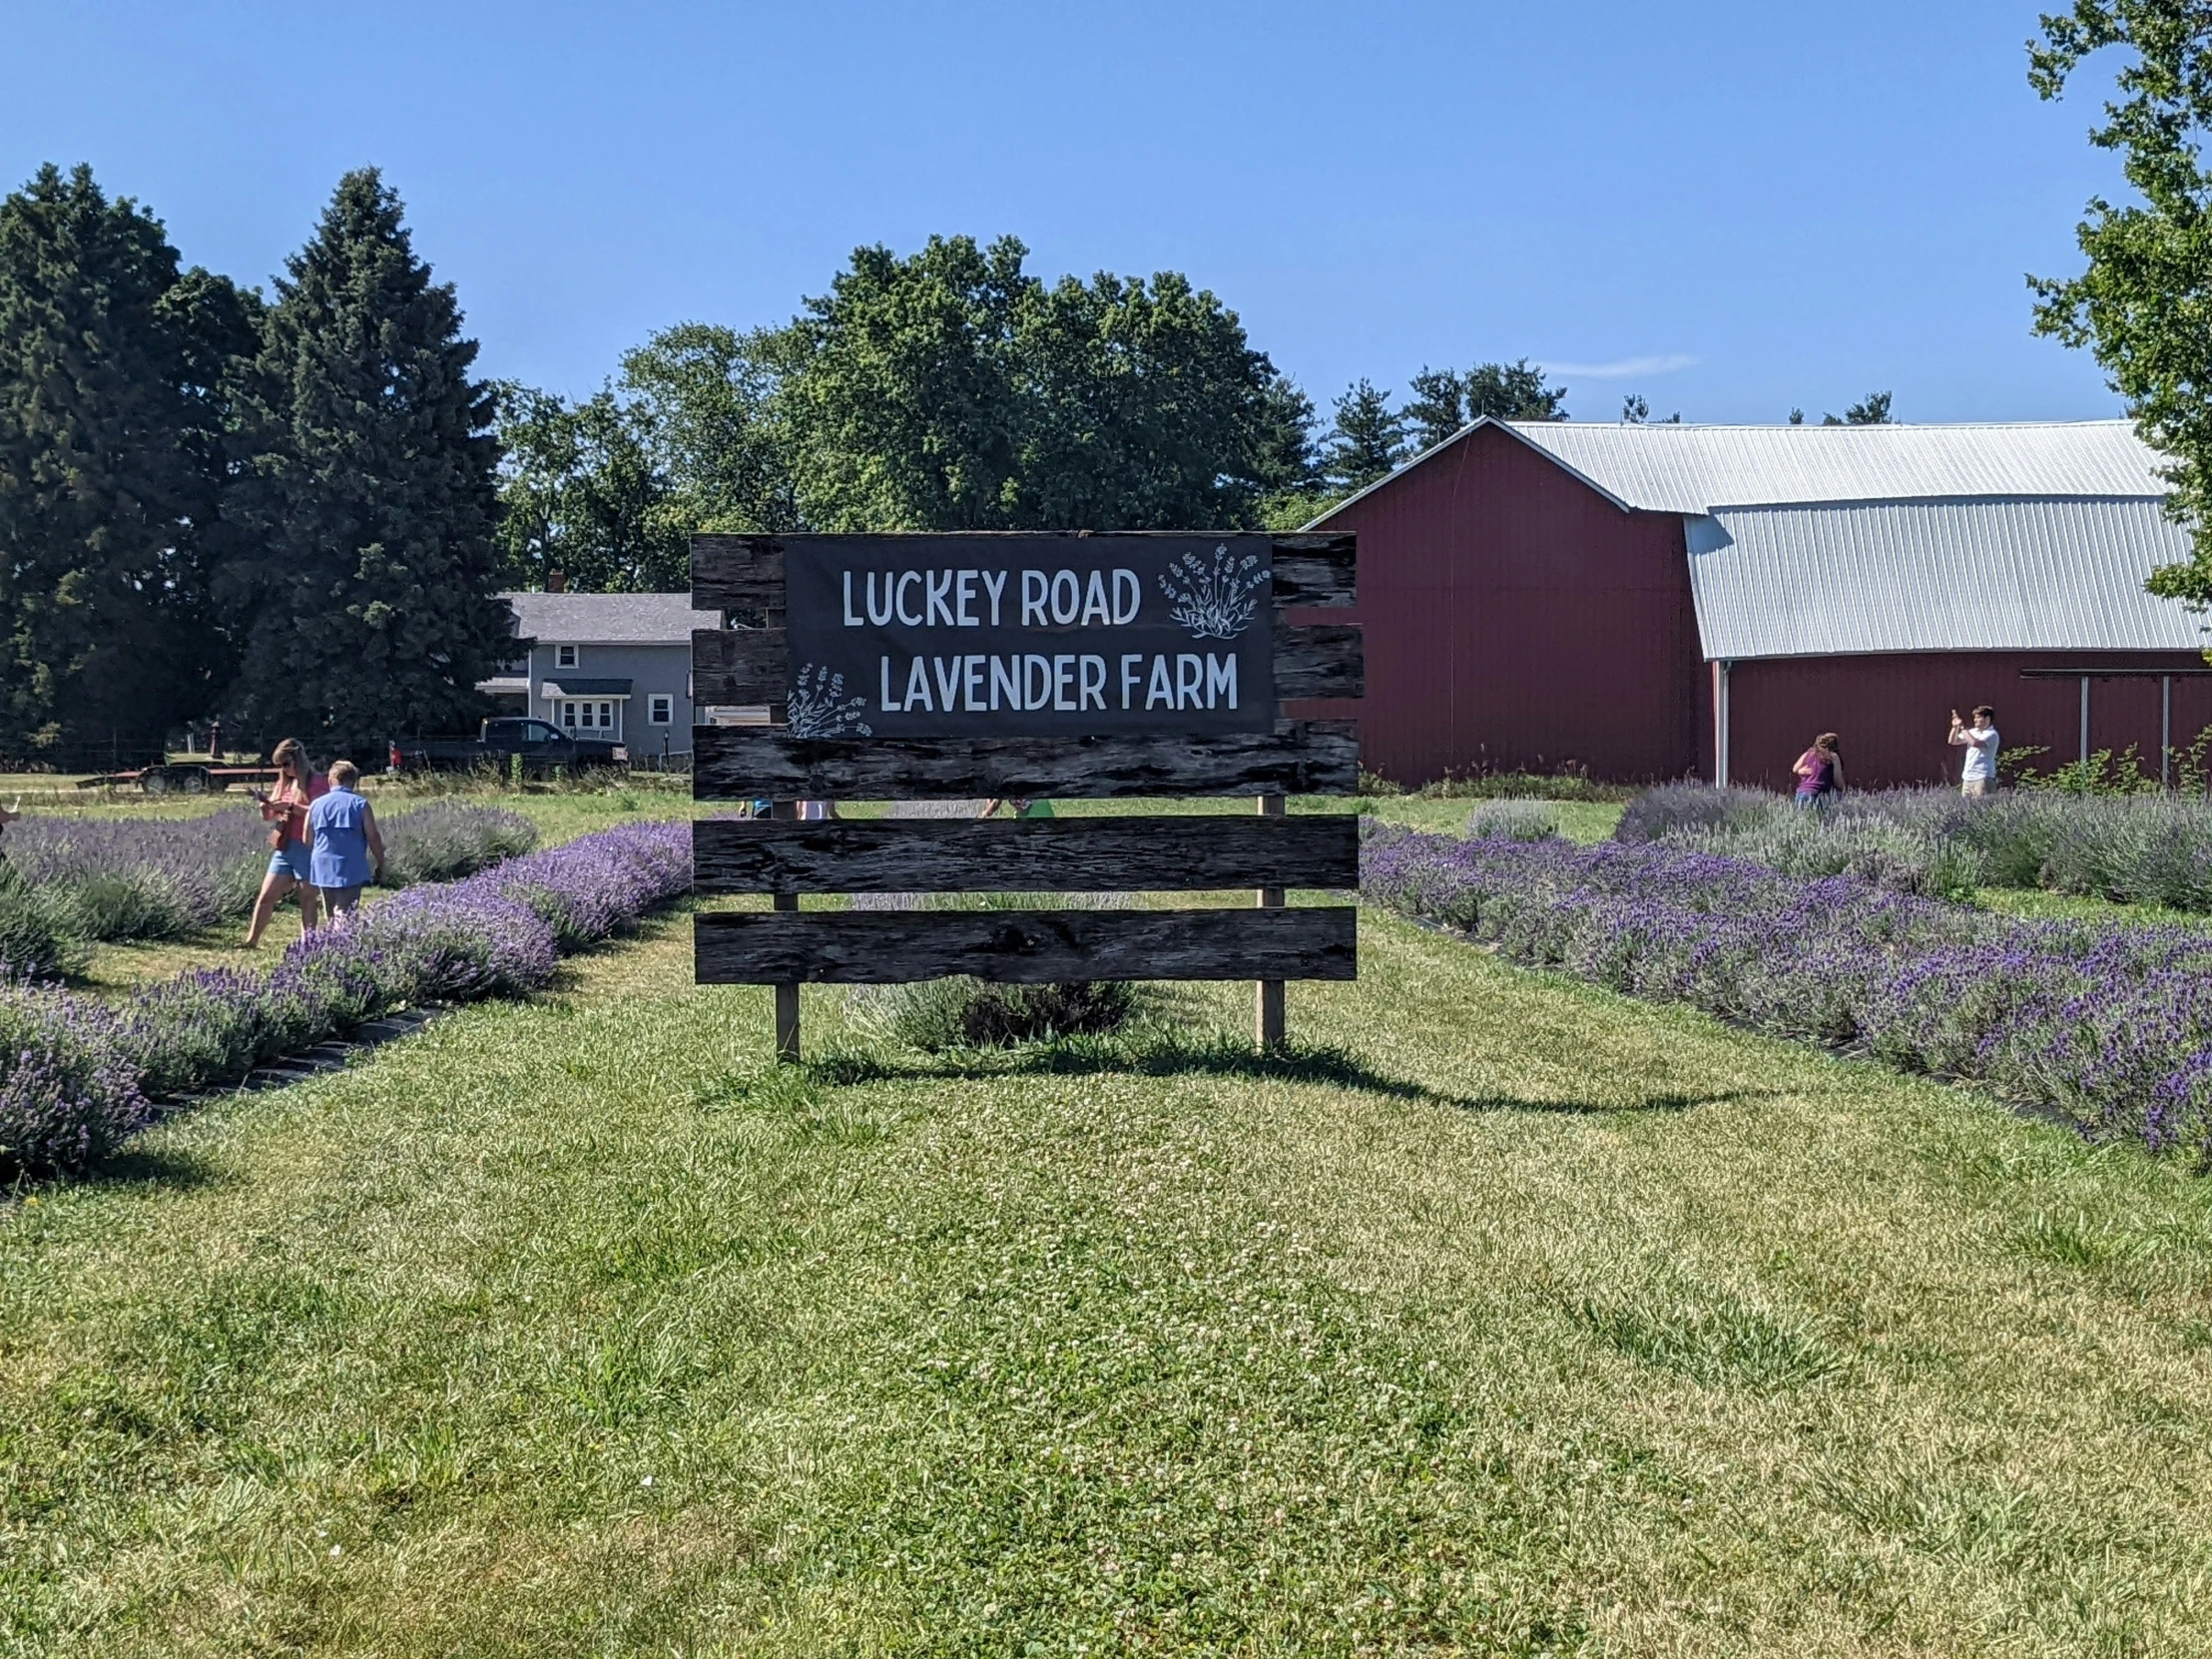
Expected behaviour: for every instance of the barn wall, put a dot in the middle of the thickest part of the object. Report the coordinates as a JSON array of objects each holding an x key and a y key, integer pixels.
[
  {"x": 1892, "y": 712},
  {"x": 1516, "y": 619}
]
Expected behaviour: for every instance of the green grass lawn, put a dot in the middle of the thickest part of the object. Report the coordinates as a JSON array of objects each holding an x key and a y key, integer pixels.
[{"x": 1537, "y": 1322}]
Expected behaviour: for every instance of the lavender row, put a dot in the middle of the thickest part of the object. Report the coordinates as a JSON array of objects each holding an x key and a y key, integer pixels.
[
  {"x": 2138, "y": 849},
  {"x": 139, "y": 879},
  {"x": 2108, "y": 1027},
  {"x": 78, "y": 1077}
]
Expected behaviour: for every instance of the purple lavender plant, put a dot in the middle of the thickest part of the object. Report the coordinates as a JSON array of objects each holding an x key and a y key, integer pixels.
[
  {"x": 68, "y": 1099},
  {"x": 152, "y": 878},
  {"x": 75, "y": 1075},
  {"x": 2108, "y": 1027}
]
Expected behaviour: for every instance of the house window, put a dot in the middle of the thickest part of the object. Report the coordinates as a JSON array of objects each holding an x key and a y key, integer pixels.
[
  {"x": 661, "y": 709},
  {"x": 590, "y": 716},
  {"x": 564, "y": 656}
]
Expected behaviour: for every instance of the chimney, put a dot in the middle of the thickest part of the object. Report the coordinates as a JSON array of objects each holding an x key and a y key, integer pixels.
[{"x": 556, "y": 581}]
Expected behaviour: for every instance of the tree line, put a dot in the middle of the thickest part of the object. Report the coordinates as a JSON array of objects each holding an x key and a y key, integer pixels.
[
  {"x": 294, "y": 511},
  {"x": 953, "y": 389}
]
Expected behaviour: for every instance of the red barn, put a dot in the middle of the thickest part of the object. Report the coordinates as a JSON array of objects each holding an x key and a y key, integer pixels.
[{"x": 1649, "y": 602}]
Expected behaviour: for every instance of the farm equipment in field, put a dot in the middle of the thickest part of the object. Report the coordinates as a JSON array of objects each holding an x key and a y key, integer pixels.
[{"x": 179, "y": 777}]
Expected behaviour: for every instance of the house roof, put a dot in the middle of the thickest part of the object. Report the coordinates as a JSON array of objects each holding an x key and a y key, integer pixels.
[
  {"x": 608, "y": 617},
  {"x": 1981, "y": 574}
]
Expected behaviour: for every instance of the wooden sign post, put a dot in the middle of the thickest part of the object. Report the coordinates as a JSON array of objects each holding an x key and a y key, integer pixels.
[{"x": 1024, "y": 667}]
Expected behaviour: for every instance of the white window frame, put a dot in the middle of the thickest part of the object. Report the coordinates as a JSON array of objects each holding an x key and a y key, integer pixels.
[
  {"x": 592, "y": 717},
  {"x": 660, "y": 709},
  {"x": 568, "y": 656}
]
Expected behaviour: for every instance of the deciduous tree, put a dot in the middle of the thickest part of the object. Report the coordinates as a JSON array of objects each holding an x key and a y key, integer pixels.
[
  {"x": 1143, "y": 406},
  {"x": 579, "y": 494},
  {"x": 901, "y": 407},
  {"x": 703, "y": 401},
  {"x": 952, "y": 390},
  {"x": 2140, "y": 304}
]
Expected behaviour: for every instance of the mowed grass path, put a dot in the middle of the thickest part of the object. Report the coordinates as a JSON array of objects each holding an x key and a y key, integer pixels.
[{"x": 1554, "y": 1324}]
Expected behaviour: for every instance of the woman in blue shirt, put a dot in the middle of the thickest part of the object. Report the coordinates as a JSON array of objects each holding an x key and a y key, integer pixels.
[{"x": 349, "y": 852}]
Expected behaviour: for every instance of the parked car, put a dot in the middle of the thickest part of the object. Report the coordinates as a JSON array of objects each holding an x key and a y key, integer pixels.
[{"x": 539, "y": 745}]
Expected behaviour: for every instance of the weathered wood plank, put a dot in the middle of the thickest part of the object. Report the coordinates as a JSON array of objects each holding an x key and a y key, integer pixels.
[
  {"x": 1028, "y": 947},
  {"x": 1186, "y": 853},
  {"x": 1324, "y": 659},
  {"x": 1315, "y": 570},
  {"x": 1299, "y": 756},
  {"x": 737, "y": 573},
  {"x": 740, "y": 666},
  {"x": 752, "y": 665}
]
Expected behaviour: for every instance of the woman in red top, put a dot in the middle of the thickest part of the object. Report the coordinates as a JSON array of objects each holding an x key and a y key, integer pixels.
[
  {"x": 1819, "y": 771},
  {"x": 286, "y": 809}
]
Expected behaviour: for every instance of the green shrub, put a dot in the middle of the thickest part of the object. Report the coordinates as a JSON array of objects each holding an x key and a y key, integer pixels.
[
  {"x": 1514, "y": 821},
  {"x": 35, "y": 939},
  {"x": 940, "y": 1014},
  {"x": 139, "y": 904}
]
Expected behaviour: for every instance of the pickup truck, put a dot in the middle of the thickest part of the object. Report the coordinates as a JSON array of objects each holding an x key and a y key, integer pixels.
[{"x": 540, "y": 744}]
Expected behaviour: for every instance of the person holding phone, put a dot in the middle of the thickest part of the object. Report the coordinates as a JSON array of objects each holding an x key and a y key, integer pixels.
[
  {"x": 284, "y": 809},
  {"x": 1981, "y": 743}
]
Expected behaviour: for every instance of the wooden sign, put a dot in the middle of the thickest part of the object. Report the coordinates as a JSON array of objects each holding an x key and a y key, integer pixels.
[{"x": 935, "y": 667}]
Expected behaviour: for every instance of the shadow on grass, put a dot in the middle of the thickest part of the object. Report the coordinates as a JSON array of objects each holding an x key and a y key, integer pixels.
[
  {"x": 1224, "y": 1056},
  {"x": 132, "y": 1167}
]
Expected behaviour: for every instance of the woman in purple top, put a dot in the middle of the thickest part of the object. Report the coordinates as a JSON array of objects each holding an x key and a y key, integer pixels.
[{"x": 1819, "y": 771}]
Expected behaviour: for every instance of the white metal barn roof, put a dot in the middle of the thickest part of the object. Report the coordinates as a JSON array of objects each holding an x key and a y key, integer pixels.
[
  {"x": 1693, "y": 470},
  {"x": 1990, "y": 574},
  {"x": 1828, "y": 540}
]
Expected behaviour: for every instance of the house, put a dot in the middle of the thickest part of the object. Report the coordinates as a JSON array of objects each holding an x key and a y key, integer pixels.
[
  {"x": 615, "y": 666},
  {"x": 1662, "y": 601}
]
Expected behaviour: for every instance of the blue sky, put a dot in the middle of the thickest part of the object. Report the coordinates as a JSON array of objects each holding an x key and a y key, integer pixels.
[{"x": 1729, "y": 207}]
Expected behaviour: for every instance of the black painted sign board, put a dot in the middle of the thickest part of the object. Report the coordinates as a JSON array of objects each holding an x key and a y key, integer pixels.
[{"x": 949, "y": 636}]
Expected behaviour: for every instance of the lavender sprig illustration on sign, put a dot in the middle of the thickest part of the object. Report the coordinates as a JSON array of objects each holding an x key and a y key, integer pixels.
[
  {"x": 818, "y": 707},
  {"x": 1217, "y": 601}
]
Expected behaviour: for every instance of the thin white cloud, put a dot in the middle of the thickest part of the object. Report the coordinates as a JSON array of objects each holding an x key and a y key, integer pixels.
[{"x": 1623, "y": 369}]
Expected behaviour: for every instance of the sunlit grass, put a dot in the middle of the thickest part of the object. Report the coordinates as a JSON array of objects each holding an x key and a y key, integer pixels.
[{"x": 1501, "y": 1317}]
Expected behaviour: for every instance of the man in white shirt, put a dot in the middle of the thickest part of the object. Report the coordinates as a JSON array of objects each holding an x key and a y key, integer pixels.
[{"x": 1981, "y": 743}]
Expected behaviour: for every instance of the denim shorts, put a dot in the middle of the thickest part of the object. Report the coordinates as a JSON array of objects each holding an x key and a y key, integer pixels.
[{"x": 290, "y": 859}]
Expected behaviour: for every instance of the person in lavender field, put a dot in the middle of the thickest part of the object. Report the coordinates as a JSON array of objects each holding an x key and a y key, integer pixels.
[
  {"x": 1980, "y": 741},
  {"x": 1819, "y": 771},
  {"x": 349, "y": 852},
  {"x": 298, "y": 787}
]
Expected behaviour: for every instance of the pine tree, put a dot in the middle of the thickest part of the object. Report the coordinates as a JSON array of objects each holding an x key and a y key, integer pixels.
[
  {"x": 1367, "y": 441},
  {"x": 376, "y": 495},
  {"x": 116, "y": 374},
  {"x": 1438, "y": 408}
]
